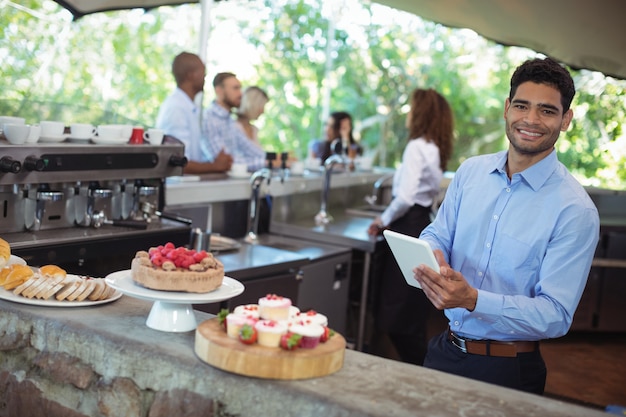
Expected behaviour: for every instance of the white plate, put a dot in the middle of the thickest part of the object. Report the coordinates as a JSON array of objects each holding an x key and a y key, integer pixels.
[
  {"x": 53, "y": 139},
  {"x": 9, "y": 296},
  {"x": 101, "y": 141},
  {"x": 122, "y": 281},
  {"x": 16, "y": 260},
  {"x": 172, "y": 311}
]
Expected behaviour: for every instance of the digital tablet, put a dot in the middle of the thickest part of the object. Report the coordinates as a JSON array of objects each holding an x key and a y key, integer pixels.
[{"x": 410, "y": 252}]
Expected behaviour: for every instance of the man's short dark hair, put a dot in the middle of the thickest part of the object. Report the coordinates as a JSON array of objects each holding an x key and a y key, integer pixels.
[
  {"x": 221, "y": 77},
  {"x": 545, "y": 71}
]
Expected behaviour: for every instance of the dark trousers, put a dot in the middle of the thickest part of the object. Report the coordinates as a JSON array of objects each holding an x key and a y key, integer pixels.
[
  {"x": 402, "y": 311},
  {"x": 526, "y": 372}
]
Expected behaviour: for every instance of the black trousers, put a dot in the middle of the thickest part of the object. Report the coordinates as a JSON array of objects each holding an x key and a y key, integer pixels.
[
  {"x": 402, "y": 311},
  {"x": 526, "y": 372}
]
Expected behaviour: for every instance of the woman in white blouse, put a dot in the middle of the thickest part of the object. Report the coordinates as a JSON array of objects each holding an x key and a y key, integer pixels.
[{"x": 402, "y": 310}]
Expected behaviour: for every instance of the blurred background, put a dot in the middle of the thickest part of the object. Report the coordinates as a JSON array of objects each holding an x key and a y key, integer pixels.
[{"x": 311, "y": 56}]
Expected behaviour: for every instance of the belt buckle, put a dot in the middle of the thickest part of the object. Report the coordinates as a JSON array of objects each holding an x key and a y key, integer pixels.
[{"x": 458, "y": 342}]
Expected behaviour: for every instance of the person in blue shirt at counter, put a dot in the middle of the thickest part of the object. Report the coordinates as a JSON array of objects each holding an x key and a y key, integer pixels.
[
  {"x": 514, "y": 238},
  {"x": 220, "y": 128},
  {"x": 179, "y": 116}
]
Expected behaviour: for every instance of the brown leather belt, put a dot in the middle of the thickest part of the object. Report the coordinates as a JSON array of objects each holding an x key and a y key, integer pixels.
[{"x": 491, "y": 347}]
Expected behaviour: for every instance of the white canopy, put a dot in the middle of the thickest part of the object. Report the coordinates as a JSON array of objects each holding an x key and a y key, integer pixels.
[{"x": 580, "y": 33}]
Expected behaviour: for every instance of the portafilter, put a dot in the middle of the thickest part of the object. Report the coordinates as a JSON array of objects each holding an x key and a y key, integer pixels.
[{"x": 150, "y": 209}]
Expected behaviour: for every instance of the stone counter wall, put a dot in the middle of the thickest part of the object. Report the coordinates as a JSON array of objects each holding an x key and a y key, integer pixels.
[{"x": 104, "y": 361}]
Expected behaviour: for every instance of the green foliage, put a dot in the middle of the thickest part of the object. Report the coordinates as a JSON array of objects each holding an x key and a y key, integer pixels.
[{"x": 115, "y": 67}]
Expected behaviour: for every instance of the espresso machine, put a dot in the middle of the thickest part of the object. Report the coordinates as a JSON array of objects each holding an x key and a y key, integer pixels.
[{"x": 87, "y": 208}]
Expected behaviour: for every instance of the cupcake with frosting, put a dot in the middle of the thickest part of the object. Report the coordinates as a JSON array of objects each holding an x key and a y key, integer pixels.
[
  {"x": 270, "y": 331},
  {"x": 310, "y": 332},
  {"x": 234, "y": 322},
  {"x": 274, "y": 307},
  {"x": 293, "y": 312},
  {"x": 250, "y": 310},
  {"x": 313, "y": 317}
]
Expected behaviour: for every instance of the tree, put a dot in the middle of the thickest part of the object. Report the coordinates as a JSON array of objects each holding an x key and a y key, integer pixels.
[{"x": 114, "y": 67}]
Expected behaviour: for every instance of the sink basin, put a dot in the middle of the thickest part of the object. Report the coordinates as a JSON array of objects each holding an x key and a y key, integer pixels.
[{"x": 366, "y": 211}]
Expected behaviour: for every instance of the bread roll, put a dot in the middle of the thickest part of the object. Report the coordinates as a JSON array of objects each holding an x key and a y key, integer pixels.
[
  {"x": 5, "y": 252},
  {"x": 52, "y": 271},
  {"x": 18, "y": 275}
]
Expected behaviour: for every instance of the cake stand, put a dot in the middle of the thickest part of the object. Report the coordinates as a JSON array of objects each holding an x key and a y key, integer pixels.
[{"x": 172, "y": 311}]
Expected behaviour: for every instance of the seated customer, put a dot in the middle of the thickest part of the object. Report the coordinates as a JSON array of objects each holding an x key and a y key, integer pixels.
[
  {"x": 221, "y": 130},
  {"x": 180, "y": 117},
  {"x": 339, "y": 138},
  {"x": 252, "y": 106}
]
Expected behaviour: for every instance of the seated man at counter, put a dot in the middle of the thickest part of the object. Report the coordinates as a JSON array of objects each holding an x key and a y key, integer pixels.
[
  {"x": 220, "y": 129},
  {"x": 180, "y": 117},
  {"x": 514, "y": 238}
]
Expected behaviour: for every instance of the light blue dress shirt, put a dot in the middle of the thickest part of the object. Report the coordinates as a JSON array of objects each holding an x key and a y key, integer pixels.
[
  {"x": 526, "y": 244},
  {"x": 180, "y": 117},
  {"x": 416, "y": 181},
  {"x": 221, "y": 132}
]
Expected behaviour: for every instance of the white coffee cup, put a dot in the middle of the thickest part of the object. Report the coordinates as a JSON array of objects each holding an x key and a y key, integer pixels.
[
  {"x": 125, "y": 131},
  {"x": 82, "y": 130},
  {"x": 365, "y": 163},
  {"x": 110, "y": 132},
  {"x": 296, "y": 167},
  {"x": 239, "y": 170},
  {"x": 33, "y": 136},
  {"x": 16, "y": 134},
  {"x": 11, "y": 119},
  {"x": 52, "y": 129},
  {"x": 153, "y": 136},
  {"x": 312, "y": 164}
]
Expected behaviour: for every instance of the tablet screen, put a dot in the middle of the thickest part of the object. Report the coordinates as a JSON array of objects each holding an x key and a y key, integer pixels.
[{"x": 410, "y": 252}]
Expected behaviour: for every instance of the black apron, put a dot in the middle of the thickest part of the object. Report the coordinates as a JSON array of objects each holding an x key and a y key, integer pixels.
[{"x": 402, "y": 309}]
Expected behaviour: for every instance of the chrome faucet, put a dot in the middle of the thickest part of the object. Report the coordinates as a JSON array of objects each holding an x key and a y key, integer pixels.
[
  {"x": 256, "y": 180},
  {"x": 372, "y": 199},
  {"x": 323, "y": 218}
]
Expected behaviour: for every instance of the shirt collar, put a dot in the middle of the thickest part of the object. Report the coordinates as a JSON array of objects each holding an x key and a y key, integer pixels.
[
  {"x": 219, "y": 110},
  {"x": 535, "y": 175},
  {"x": 186, "y": 98}
]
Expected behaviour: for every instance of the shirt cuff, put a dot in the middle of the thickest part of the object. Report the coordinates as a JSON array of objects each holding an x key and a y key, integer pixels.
[{"x": 488, "y": 306}]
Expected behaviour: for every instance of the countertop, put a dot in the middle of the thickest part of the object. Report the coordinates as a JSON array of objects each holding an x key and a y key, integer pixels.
[
  {"x": 113, "y": 340},
  {"x": 215, "y": 188}
]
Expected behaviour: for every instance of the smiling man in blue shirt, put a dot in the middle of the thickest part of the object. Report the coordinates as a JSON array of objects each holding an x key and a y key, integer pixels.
[{"x": 515, "y": 237}]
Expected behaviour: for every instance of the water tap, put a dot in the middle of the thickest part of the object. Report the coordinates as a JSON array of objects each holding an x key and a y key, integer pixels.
[
  {"x": 256, "y": 180},
  {"x": 372, "y": 199},
  {"x": 323, "y": 218}
]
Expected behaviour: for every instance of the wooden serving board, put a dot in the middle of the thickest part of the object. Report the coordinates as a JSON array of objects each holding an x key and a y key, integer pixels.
[{"x": 214, "y": 347}]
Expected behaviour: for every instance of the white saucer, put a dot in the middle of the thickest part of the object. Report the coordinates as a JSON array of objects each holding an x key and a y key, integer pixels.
[
  {"x": 239, "y": 176},
  {"x": 79, "y": 140},
  {"x": 101, "y": 141},
  {"x": 53, "y": 139}
]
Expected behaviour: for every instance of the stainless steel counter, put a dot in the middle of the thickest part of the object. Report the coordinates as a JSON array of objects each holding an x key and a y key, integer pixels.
[
  {"x": 252, "y": 261},
  {"x": 344, "y": 230}
]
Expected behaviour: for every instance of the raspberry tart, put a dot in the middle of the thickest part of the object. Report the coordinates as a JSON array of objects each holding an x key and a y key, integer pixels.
[{"x": 170, "y": 268}]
